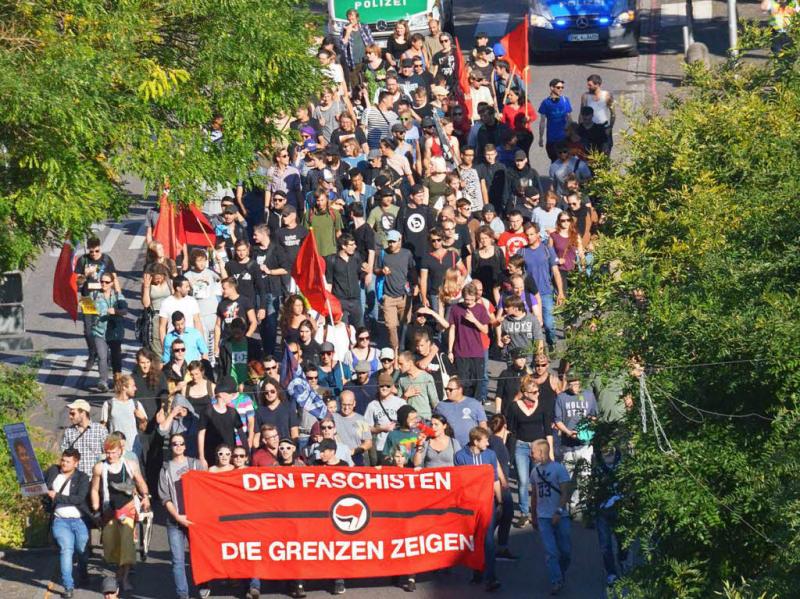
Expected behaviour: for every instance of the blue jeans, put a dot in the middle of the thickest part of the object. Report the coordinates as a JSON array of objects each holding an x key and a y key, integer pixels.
[
  {"x": 522, "y": 459},
  {"x": 269, "y": 326},
  {"x": 176, "y": 536},
  {"x": 548, "y": 303},
  {"x": 368, "y": 303},
  {"x": 605, "y": 536},
  {"x": 483, "y": 384},
  {"x": 72, "y": 536},
  {"x": 557, "y": 547}
]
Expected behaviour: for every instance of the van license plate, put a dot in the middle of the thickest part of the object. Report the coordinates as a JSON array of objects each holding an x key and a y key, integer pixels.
[{"x": 583, "y": 37}]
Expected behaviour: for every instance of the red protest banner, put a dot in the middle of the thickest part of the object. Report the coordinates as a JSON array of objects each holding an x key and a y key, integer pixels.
[{"x": 311, "y": 523}]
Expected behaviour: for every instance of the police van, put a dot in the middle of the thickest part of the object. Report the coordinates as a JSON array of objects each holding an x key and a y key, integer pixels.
[
  {"x": 381, "y": 15},
  {"x": 559, "y": 25}
]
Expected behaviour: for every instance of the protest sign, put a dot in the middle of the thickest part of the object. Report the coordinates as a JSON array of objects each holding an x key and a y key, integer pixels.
[
  {"x": 312, "y": 523},
  {"x": 29, "y": 474}
]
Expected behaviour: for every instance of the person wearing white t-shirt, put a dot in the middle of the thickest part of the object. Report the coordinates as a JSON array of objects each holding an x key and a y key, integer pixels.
[{"x": 179, "y": 300}]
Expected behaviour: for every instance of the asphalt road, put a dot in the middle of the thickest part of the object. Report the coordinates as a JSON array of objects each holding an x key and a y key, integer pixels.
[{"x": 635, "y": 81}]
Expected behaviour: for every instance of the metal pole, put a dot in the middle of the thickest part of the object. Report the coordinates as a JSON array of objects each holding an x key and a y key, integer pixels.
[
  {"x": 733, "y": 29},
  {"x": 689, "y": 34}
]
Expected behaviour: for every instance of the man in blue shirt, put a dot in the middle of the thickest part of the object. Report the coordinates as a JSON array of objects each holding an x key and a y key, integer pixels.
[
  {"x": 540, "y": 263},
  {"x": 476, "y": 453},
  {"x": 196, "y": 346},
  {"x": 556, "y": 113},
  {"x": 551, "y": 484},
  {"x": 462, "y": 412}
]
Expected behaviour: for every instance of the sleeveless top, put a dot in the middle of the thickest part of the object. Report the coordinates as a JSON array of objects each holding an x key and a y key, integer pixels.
[
  {"x": 157, "y": 295},
  {"x": 199, "y": 403},
  {"x": 547, "y": 396},
  {"x": 601, "y": 113},
  {"x": 434, "y": 459},
  {"x": 372, "y": 359},
  {"x": 117, "y": 499}
]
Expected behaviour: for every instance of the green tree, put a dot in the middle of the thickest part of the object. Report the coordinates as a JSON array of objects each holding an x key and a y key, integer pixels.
[
  {"x": 93, "y": 90},
  {"x": 698, "y": 277}
]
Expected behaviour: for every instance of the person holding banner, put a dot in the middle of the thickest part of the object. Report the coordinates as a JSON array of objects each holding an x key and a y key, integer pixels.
[
  {"x": 177, "y": 522},
  {"x": 476, "y": 454},
  {"x": 551, "y": 484}
]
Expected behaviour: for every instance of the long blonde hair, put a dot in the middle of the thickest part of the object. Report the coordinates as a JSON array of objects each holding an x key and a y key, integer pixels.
[{"x": 452, "y": 284}]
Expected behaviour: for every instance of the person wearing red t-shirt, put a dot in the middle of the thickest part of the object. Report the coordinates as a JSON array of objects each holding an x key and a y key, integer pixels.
[
  {"x": 267, "y": 452},
  {"x": 513, "y": 239}
]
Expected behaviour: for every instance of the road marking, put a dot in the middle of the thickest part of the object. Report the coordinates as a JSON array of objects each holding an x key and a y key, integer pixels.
[
  {"x": 138, "y": 240},
  {"x": 493, "y": 25},
  {"x": 111, "y": 239},
  {"x": 75, "y": 373}
]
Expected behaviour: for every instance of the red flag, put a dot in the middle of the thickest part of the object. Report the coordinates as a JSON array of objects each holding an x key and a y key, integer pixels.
[
  {"x": 169, "y": 228},
  {"x": 516, "y": 44},
  {"x": 309, "y": 274},
  {"x": 65, "y": 284},
  {"x": 196, "y": 228},
  {"x": 463, "y": 94}
]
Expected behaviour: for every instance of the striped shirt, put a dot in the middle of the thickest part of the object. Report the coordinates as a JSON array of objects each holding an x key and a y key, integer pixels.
[{"x": 378, "y": 124}]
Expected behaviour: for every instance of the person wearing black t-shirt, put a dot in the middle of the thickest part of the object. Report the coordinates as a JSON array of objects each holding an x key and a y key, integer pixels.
[
  {"x": 343, "y": 278},
  {"x": 415, "y": 221},
  {"x": 273, "y": 266},
  {"x": 247, "y": 275},
  {"x": 233, "y": 305},
  {"x": 433, "y": 267},
  {"x": 365, "y": 247},
  {"x": 89, "y": 268},
  {"x": 509, "y": 380},
  {"x": 290, "y": 236},
  {"x": 277, "y": 411},
  {"x": 219, "y": 422}
]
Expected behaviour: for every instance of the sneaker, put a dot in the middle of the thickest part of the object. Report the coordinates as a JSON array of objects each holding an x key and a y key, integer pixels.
[
  {"x": 338, "y": 587},
  {"x": 253, "y": 593},
  {"x": 298, "y": 591},
  {"x": 505, "y": 555},
  {"x": 522, "y": 522},
  {"x": 205, "y": 593},
  {"x": 556, "y": 588},
  {"x": 410, "y": 585},
  {"x": 101, "y": 387},
  {"x": 68, "y": 594},
  {"x": 492, "y": 585}
]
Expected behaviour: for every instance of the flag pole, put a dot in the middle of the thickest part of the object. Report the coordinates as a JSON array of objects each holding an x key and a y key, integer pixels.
[{"x": 508, "y": 87}]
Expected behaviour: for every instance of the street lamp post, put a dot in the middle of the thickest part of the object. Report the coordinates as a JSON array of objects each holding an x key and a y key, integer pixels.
[{"x": 733, "y": 30}]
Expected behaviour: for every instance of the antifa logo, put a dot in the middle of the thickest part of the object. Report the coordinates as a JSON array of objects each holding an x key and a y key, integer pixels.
[{"x": 349, "y": 514}]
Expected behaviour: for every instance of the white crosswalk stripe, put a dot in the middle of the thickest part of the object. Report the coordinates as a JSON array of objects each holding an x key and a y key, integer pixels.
[{"x": 138, "y": 240}]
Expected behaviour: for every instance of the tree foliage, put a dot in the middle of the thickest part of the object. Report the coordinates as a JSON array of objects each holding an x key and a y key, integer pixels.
[
  {"x": 93, "y": 90},
  {"x": 22, "y": 520},
  {"x": 699, "y": 277}
]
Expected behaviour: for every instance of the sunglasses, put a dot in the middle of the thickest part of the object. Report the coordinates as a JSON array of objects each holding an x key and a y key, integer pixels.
[
  {"x": 105, "y": 282},
  {"x": 177, "y": 443},
  {"x": 559, "y": 86},
  {"x": 270, "y": 391},
  {"x": 223, "y": 454},
  {"x": 387, "y": 360},
  {"x": 271, "y": 367},
  {"x": 326, "y": 353},
  {"x": 179, "y": 350},
  {"x": 312, "y": 378},
  {"x": 326, "y": 428},
  {"x": 239, "y": 456},
  {"x": 364, "y": 338},
  {"x": 436, "y": 241}
]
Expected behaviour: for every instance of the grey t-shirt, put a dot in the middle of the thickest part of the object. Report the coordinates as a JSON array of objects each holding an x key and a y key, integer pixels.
[
  {"x": 434, "y": 459},
  {"x": 382, "y": 412},
  {"x": 462, "y": 416},
  {"x": 351, "y": 430},
  {"x": 400, "y": 264},
  {"x": 522, "y": 331},
  {"x": 546, "y": 479}
]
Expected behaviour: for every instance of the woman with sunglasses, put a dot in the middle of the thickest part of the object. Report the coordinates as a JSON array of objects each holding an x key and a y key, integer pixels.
[
  {"x": 108, "y": 329},
  {"x": 223, "y": 461},
  {"x": 568, "y": 247},
  {"x": 177, "y": 522},
  {"x": 362, "y": 352}
]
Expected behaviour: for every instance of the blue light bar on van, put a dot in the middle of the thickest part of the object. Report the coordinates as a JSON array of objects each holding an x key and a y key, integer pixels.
[
  {"x": 561, "y": 22},
  {"x": 603, "y": 20}
]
